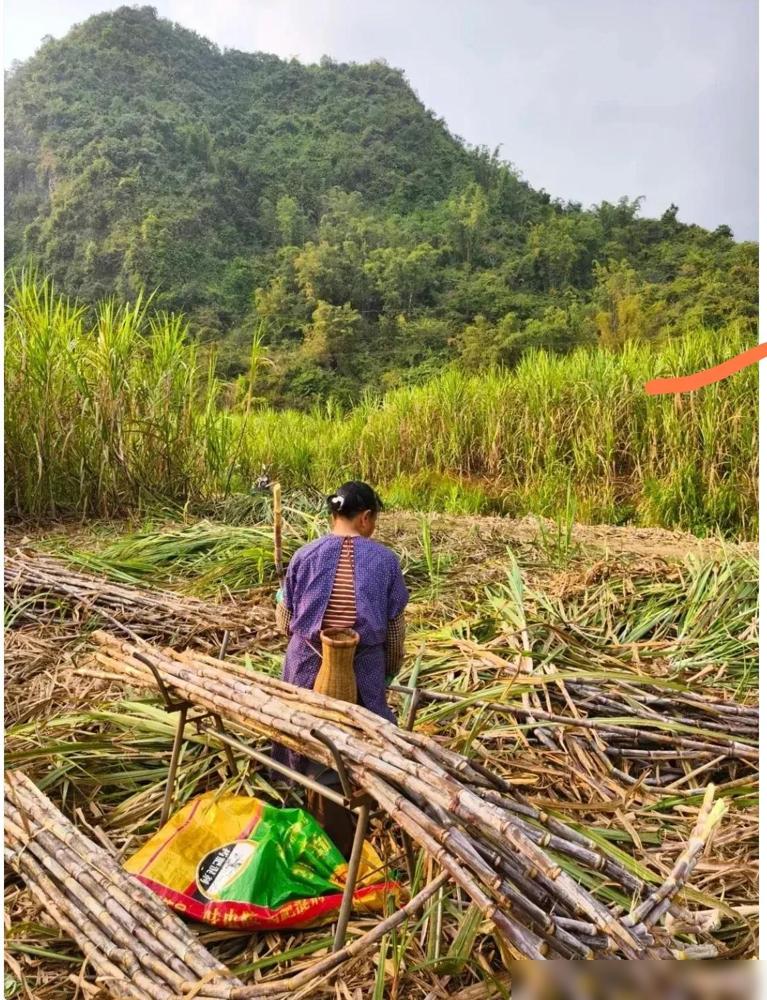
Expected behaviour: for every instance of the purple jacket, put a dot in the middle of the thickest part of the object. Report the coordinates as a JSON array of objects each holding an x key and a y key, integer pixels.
[{"x": 380, "y": 593}]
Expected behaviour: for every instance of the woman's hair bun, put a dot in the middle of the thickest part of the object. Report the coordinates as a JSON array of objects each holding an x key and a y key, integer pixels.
[{"x": 353, "y": 498}]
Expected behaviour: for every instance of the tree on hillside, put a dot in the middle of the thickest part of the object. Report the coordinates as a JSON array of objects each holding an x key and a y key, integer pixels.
[
  {"x": 333, "y": 338},
  {"x": 619, "y": 315},
  {"x": 240, "y": 187}
]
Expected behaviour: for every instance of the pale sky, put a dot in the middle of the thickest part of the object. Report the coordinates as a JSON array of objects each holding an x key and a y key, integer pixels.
[{"x": 589, "y": 99}]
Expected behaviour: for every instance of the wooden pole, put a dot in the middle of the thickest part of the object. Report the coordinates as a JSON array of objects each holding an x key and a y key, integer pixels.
[{"x": 277, "y": 507}]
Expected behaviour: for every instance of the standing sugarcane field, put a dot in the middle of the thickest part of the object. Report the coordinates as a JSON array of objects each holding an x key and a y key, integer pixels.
[{"x": 370, "y": 628}]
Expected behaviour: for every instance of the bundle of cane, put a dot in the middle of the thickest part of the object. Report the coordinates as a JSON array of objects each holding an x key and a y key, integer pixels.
[
  {"x": 641, "y": 735},
  {"x": 138, "y": 948},
  {"x": 509, "y": 857},
  {"x": 617, "y": 727},
  {"x": 37, "y": 586}
]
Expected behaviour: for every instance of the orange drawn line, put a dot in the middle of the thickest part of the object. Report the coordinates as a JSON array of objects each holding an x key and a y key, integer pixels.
[{"x": 686, "y": 383}]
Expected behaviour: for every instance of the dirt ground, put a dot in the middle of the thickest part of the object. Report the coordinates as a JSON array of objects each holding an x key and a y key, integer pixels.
[
  {"x": 475, "y": 551},
  {"x": 477, "y": 531},
  {"x": 596, "y": 541}
]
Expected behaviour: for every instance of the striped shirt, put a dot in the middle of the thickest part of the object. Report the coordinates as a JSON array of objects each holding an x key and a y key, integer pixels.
[{"x": 341, "y": 611}]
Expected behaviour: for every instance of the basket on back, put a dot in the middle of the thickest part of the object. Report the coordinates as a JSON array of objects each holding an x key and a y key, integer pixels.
[
  {"x": 335, "y": 679},
  {"x": 336, "y": 674}
]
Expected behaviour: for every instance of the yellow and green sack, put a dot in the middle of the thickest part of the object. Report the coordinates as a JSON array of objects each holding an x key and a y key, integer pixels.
[{"x": 235, "y": 861}]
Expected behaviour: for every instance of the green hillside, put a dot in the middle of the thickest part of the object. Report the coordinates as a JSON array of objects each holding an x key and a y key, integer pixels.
[{"x": 327, "y": 207}]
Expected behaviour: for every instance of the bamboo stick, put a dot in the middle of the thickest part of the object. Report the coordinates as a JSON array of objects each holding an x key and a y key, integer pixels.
[{"x": 277, "y": 497}]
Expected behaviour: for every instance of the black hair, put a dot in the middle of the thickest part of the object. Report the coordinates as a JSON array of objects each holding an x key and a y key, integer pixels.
[{"x": 353, "y": 498}]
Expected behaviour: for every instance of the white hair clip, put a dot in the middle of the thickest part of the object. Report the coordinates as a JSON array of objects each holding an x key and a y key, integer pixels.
[{"x": 337, "y": 501}]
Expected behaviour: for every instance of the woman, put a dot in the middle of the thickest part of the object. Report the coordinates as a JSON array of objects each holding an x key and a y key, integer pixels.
[{"x": 346, "y": 580}]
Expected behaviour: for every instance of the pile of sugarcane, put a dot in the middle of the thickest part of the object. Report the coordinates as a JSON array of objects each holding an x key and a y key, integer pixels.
[
  {"x": 632, "y": 731},
  {"x": 593, "y": 683},
  {"x": 508, "y": 856},
  {"x": 138, "y": 948},
  {"x": 38, "y": 587}
]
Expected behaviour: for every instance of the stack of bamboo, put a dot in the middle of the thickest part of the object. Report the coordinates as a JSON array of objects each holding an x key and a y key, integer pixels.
[
  {"x": 509, "y": 857},
  {"x": 37, "y": 586},
  {"x": 138, "y": 948}
]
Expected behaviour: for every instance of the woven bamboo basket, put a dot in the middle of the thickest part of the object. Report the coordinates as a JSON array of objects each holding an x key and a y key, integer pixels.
[
  {"x": 336, "y": 674},
  {"x": 335, "y": 679}
]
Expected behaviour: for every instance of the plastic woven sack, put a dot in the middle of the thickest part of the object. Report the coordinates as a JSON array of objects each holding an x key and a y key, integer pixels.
[{"x": 235, "y": 861}]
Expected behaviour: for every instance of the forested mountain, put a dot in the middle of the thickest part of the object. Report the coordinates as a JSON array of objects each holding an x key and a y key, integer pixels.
[{"x": 326, "y": 206}]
